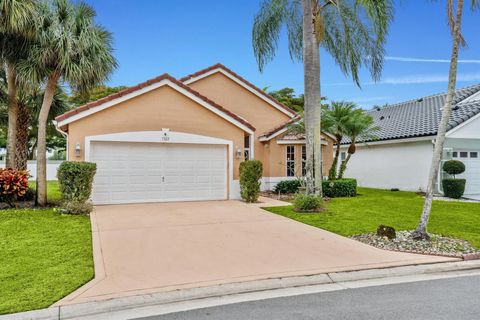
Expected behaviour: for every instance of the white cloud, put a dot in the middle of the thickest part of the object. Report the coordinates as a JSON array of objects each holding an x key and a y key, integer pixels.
[
  {"x": 410, "y": 59},
  {"x": 415, "y": 79},
  {"x": 429, "y": 78}
]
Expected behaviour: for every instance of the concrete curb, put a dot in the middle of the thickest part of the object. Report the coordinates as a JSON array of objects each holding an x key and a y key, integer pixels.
[{"x": 99, "y": 307}]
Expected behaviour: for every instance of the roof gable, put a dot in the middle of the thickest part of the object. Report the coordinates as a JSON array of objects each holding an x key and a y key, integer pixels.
[
  {"x": 219, "y": 68},
  {"x": 129, "y": 93}
]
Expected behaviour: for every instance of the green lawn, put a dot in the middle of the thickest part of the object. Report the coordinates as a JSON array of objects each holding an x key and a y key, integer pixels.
[
  {"x": 401, "y": 210},
  {"x": 53, "y": 193},
  {"x": 44, "y": 256}
]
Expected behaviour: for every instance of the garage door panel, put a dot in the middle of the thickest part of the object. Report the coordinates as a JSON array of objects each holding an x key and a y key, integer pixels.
[{"x": 150, "y": 172}]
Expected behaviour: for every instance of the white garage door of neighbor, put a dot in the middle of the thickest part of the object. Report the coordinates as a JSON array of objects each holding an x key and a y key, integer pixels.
[
  {"x": 471, "y": 159},
  {"x": 132, "y": 172}
]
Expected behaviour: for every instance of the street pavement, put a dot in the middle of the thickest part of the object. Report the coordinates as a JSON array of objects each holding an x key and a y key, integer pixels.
[{"x": 452, "y": 298}]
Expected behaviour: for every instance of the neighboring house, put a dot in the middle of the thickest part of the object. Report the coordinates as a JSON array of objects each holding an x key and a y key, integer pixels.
[
  {"x": 402, "y": 155},
  {"x": 174, "y": 140}
]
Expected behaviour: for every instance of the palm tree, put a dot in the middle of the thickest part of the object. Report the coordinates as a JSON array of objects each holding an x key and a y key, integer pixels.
[
  {"x": 70, "y": 47},
  {"x": 16, "y": 21},
  {"x": 360, "y": 127},
  {"x": 29, "y": 107},
  {"x": 455, "y": 23},
  {"x": 353, "y": 32},
  {"x": 335, "y": 120}
]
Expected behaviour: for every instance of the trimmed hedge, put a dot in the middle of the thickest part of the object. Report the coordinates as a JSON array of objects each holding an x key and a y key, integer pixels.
[
  {"x": 287, "y": 186},
  {"x": 453, "y": 188},
  {"x": 340, "y": 188},
  {"x": 250, "y": 175},
  {"x": 75, "y": 179},
  {"x": 454, "y": 167},
  {"x": 307, "y": 203}
]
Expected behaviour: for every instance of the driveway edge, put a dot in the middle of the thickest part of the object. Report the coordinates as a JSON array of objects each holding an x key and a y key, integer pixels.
[{"x": 100, "y": 307}]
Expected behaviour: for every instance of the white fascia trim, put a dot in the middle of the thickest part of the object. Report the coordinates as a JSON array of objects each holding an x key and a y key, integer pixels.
[
  {"x": 241, "y": 83},
  {"x": 461, "y": 125},
  {"x": 150, "y": 88},
  {"x": 473, "y": 97},
  {"x": 165, "y": 137},
  {"x": 393, "y": 141}
]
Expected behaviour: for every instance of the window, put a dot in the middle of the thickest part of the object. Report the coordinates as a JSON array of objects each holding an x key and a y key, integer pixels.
[
  {"x": 304, "y": 160},
  {"x": 343, "y": 156},
  {"x": 463, "y": 154},
  {"x": 246, "y": 143},
  {"x": 474, "y": 154},
  {"x": 290, "y": 161},
  {"x": 455, "y": 154}
]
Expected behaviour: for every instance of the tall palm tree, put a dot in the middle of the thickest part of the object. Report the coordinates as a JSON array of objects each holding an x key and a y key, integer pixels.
[
  {"x": 16, "y": 21},
  {"x": 360, "y": 127},
  {"x": 335, "y": 120},
  {"x": 70, "y": 47},
  {"x": 455, "y": 23},
  {"x": 352, "y": 31}
]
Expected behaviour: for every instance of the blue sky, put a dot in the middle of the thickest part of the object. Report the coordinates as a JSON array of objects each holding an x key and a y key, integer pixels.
[{"x": 152, "y": 37}]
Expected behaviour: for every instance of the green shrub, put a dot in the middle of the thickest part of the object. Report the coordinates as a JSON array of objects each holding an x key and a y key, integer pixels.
[
  {"x": 250, "y": 175},
  {"x": 76, "y": 207},
  {"x": 287, "y": 186},
  {"x": 13, "y": 185},
  {"x": 340, "y": 188},
  {"x": 75, "y": 180},
  {"x": 453, "y": 188},
  {"x": 307, "y": 203},
  {"x": 454, "y": 167}
]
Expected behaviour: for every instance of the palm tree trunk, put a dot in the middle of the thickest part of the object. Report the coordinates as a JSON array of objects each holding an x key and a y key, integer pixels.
[
  {"x": 421, "y": 231},
  {"x": 343, "y": 166},
  {"x": 21, "y": 152},
  {"x": 311, "y": 67},
  {"x": 41, "y": 198},
  {"x": 12, "y": 118},
  {"x": 332, "y": 173}
]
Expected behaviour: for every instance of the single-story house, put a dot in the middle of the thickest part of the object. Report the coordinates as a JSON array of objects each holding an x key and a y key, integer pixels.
[
  {"x": 402, "y": 154},
  {"x": 175, "y": 140}
]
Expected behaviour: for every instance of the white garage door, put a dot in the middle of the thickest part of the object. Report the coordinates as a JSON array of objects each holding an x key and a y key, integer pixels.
[
  {"x": 129, "y": 172},
  {"x": 471, "y": 159}
]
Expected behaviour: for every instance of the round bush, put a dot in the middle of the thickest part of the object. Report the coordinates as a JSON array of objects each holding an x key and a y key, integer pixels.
[
  {"x": 13, "y": 185},
  {"x": 287, "y": 186},
  {"x": 307, "y": 203},
  {"x": 453, "y": 188},
  {"x": 75, "y": 179},
  {"x": 453, "y": 167},
  {"x": 340, "y": 188},
  {"x": 250, "y": 175}
]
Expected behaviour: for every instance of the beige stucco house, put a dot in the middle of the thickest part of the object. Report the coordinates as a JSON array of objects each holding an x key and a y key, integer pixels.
[{"x": 176, "y": 140}]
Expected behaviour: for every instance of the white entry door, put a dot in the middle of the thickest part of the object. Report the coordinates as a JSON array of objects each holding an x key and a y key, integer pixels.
[
  {"x": 132, "y": 172},
  {"x": 471, "y": 159}
]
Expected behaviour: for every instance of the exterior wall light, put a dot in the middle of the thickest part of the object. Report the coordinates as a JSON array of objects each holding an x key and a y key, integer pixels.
[
  {"x": 77, "y": 149},
  {"x": 238, "y": 153}
]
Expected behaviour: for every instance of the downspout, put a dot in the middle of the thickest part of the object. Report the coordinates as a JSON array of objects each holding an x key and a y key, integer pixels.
[{"x": 64, "y": 134}]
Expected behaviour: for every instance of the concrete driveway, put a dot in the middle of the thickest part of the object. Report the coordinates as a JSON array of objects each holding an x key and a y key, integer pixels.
[{"x": 146, "y": 248}]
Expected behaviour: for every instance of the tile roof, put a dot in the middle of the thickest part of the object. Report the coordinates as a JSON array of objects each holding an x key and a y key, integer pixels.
[
  {"x": 281, "y": 126},
  {"x": 258, "y": 90},
  {"x": 421, "y": 117},
  {"x": 147, "y": 83}
]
